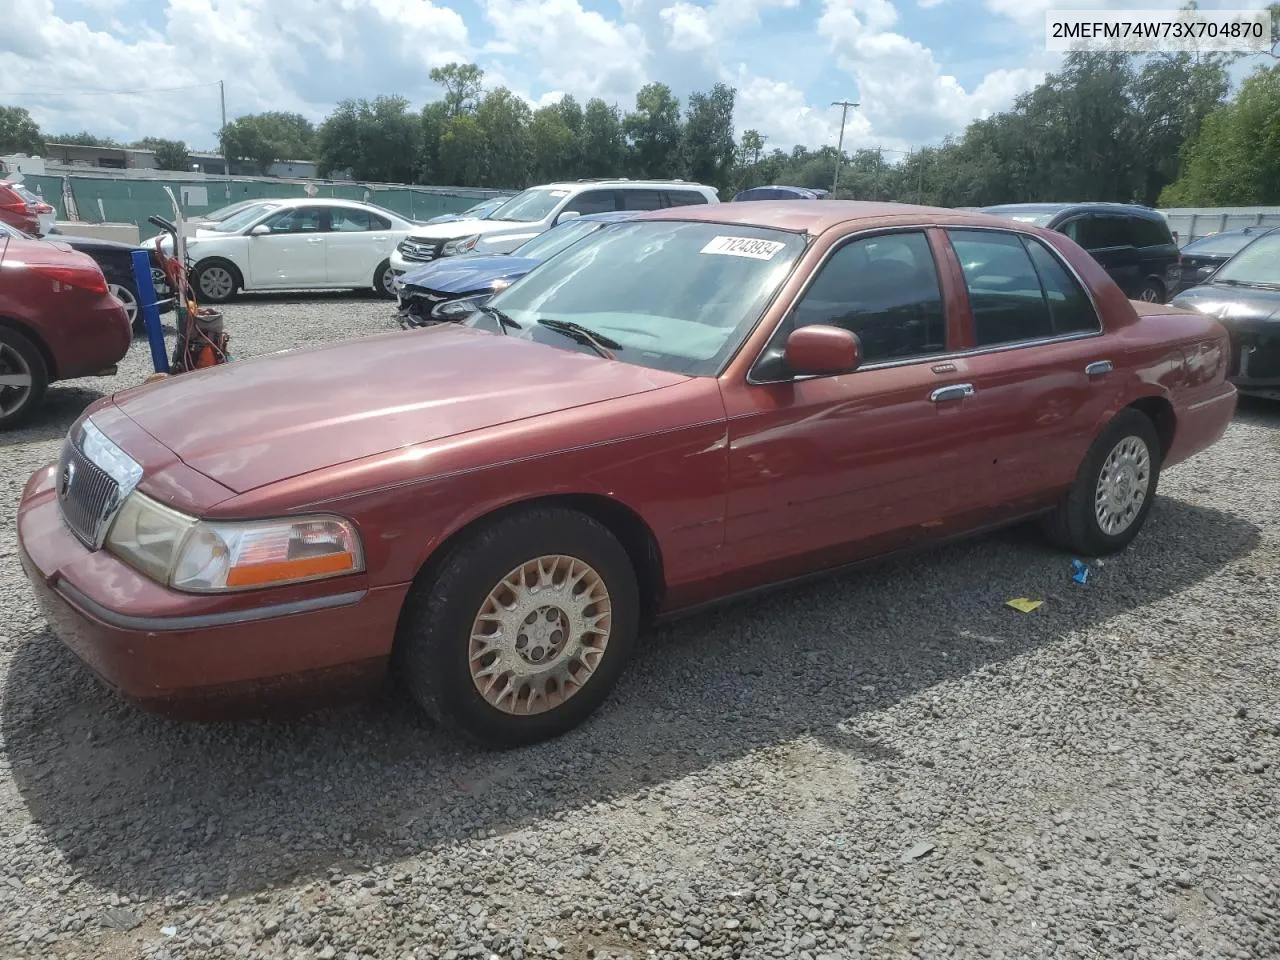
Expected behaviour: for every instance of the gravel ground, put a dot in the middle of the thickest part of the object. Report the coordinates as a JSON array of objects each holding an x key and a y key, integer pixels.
[{"x": 890, "y": 764}]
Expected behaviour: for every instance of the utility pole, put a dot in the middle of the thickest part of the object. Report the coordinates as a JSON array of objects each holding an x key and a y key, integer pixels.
[
  {"x": 222, "y": 141},
  {"x": 844, "y": 113}
]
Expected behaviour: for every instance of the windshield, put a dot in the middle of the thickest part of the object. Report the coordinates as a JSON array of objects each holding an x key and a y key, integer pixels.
[
  {"x": 1222, "y": 245},
  {"x": 674, "y": 296},
  {"x": 238, "y": 221},
  {"x": 531, "y": 205},
  {"x": 1038, "y": 217},
  {"x": 547, "y": 245},
  {"x": 223, "y": 212},
  {"x": 1257, "y": 263}
]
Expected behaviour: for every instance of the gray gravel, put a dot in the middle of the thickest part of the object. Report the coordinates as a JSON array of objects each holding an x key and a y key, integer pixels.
[{"x": 890, "y": 764}]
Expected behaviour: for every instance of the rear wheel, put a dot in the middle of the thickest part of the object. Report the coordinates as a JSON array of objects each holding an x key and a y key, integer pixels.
[
  {"x": 23, "y": 378},
  {"x": 1152, "y": 292},
  {"x": 523, "y": 630},
  {"x": 126, "y": 294},
  {"x": 1113, "y": 491},
  {"x": 382, "y": 278}
]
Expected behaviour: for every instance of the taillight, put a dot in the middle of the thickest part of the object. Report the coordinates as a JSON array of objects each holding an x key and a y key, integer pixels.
[
  {"x": 82, "y": 278},
  {"x": 43, "y": 208},
  {"x": 13, "y": 206}
]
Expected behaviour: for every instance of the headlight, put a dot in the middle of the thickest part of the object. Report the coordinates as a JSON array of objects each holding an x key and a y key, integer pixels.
[
  {"x": 460, "y": 309},
  {"x": 207, "y": 556},
  {"x": 461, "y": 245}
]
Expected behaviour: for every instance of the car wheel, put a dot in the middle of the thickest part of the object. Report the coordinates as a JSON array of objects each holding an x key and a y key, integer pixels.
[
  {"x": 126, "y": 295},
  {"x": 1152, "y": 292},
  {"x": 523, "y": 629},
  {"x": 23, "y": 378},
  {"x": 1113, "y": 491},
  {"x": 215, "y": 281},
  {"x": 382, "y": 278}
]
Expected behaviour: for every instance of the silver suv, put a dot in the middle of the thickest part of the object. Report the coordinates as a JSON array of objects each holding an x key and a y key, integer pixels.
[{"x": 529, "y": 213}]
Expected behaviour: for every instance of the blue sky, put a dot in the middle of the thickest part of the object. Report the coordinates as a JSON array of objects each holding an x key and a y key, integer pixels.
[{"x": 922, "y": 69}]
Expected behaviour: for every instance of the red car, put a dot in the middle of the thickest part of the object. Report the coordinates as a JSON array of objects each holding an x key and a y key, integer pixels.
[
  {"x": 57, "y": 322},
  {"x": 17, "y": 211},
  {"x": 693, "y": 404}
]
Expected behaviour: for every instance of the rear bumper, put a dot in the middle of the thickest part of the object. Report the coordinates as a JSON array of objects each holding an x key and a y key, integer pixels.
[
  {"x": 97, "y": 340},
  {"x": 185, "y": 656},
  {"x": 1201, "y": 424}
]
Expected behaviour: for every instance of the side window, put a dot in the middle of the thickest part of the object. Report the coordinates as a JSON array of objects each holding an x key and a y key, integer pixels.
[
  {"x": 379, "y": 223},
  {"x": 1070, "y": 309},
  {"x": 349, "y": 220},
  {"x": 1150, "y": 233},
  {"x": 1102, "y": 232},
  {"x": 593, "y": 201},
  {"x": 300, "y": 220},
  {"x": 1004, "y": 290},
  {"x": 684, "y": 198},
  {"x": 641, "y": 200},
  {"x": 884, "y": 289}
]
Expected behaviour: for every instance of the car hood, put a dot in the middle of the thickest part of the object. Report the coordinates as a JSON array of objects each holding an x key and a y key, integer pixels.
[
  {"x": 1228, "y": 302},
  {"x": 466, "y": 273},
  {"x": 96, "y": 245},
  {"x": 255, "y": 422},
  {"x": 466, "y": 228}
]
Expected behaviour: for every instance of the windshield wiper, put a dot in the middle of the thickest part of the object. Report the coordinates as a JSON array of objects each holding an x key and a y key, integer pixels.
[
  {"x": 504, "y": 321},
  {"x": 576, "y": 331}
]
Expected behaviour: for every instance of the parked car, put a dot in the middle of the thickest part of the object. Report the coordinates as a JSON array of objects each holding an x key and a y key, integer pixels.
[
  {"x": 1132, "y": 243},
  {"x": 660, "y": 417},
  {"x": 454, "y": 288},
  {"x": 776, "y": 193},
  {"x": 46, "y": 215},
  {"x": 479, "y": 211},
  {"x": 1201, "y": 258},
  {"x": 1244, "y": 295},
  {"x": 538, "y": 209},
  {"x": 294, "y": 245},
  {"x": 58, "y": 321},
  {"x": 16, "y": 211},
  {"x": 115, "y": 260},
  {"x": 222, "y": 213}
]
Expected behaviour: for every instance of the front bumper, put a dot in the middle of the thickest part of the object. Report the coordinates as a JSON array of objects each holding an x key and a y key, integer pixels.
[
  {"x": 1255, "y": 358},
  {"x": 203, "y": 657}
]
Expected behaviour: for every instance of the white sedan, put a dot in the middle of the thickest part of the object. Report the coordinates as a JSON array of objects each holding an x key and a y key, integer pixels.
[{"x": 294, "y": 245}]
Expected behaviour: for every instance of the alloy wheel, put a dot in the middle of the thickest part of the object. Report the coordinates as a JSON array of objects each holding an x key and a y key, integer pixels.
[
  {"x": 1123, "y": 484},
  {"x": 125, "y": 296},
  {"x": 15, "y": 381},
  {"x": 216, "y": 282}
]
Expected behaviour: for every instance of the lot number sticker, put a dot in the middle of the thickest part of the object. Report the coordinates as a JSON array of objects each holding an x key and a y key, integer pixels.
[{"x": 744, "y": 247}]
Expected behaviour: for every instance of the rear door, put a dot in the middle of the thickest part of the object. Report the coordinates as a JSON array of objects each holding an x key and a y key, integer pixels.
[
  {"x": 357, "y": 242},
  {"x": 641, "y": 199},
  {"x": 1110, "y": 241},
  {"x": 1037, "y": 363}
]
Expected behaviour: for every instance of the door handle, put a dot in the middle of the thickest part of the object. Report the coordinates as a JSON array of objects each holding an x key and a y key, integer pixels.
[
  {"x": 1098, "y": 368},
  {"x": 379, "y": 239},
  {"x": 956, "y": 391},
  {"x": 315, "y": 239}
]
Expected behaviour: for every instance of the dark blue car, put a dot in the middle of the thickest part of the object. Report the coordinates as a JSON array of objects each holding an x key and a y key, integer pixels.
[{"x": 453, "y": 288}]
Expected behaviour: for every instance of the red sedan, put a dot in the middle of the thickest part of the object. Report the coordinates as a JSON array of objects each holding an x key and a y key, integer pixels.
[
  {"x": 683, "y": 407},
  {"x": 57, "y": 322}
]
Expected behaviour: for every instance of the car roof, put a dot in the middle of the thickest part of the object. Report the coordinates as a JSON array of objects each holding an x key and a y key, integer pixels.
[
  {"x": 608, "y": 217},
  {"x": 1098, "y": 206},
  {"x": 623, "y": 182},
  {"x": 817, "y": 216}
]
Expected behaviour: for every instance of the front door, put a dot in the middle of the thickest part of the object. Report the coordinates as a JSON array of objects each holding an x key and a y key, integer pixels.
[
  {"x": 292, "y": 253},
  {"x": 824, "y": 470}
]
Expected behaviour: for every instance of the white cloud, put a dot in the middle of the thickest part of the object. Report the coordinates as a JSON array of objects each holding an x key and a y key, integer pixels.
[{"x": 692, "y": 26}]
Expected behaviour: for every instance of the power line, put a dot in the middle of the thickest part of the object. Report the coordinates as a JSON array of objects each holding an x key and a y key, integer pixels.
[{"x": 104, "y": 93}]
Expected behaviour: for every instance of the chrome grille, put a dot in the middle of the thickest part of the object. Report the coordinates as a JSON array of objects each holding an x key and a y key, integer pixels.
[
  {"x": 91, "y": 492},
  {"x": 421, "y": 250},
  {"x": 86, "y": 494}
]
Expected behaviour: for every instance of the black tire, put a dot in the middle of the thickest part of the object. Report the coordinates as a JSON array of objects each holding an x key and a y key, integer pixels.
[
  {"x": 125, "y": 289},
  {"x": 20, "y": 357},
  {"x": 204, "y": 273},
  {"x": 433, "y": 645},
  {"x": 1152, "y": 291},
  {"x": 380, "y": 285},
  {"x": 1074, "y": 525}
]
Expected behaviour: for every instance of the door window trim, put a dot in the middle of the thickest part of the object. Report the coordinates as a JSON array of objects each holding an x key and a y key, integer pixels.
[{"x": 751, "y": 379}]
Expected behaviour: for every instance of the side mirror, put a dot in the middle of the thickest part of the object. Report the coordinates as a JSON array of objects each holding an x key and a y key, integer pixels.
[
  {"x": 567, "y": 215},
  {"x": 822, "y": 350},
  {"x": 261, "y": 230}
]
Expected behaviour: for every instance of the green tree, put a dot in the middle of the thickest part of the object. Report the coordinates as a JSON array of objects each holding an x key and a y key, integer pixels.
[
  {"x": 434, "y": 120},
  {"x": 265, "y": 138},
  {"x": 570, "y": 113},
  {"x": 552, "y": 146},
  {"x": 84, "y": 139},
  {"x": 462, "y": 152},
  {"x": 707, "y": 146},
  {"x": 503, "y": 118},
  {"x": 462, "y": 84},
  {"x": 375, "y": 139},
  {"x": 602, "y": 146},
  {"x": 1236, "y": 157},
  {"x": 19, "y": 133},
  {"x": 171, "y": 154},
  {"x": 654, "y": 132}
]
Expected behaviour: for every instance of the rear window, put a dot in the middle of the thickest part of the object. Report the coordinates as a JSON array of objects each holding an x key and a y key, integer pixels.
[
  {"x": 1150, "y": 233},
  {"x": 684, "y": 198},
  {"x": 1220, "y": 245}
]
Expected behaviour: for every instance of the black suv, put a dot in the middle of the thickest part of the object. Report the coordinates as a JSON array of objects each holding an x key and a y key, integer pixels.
[{"x": 1132, "y": 243}]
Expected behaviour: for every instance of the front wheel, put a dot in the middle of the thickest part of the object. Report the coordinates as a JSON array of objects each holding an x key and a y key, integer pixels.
[
  {"x": 523, "y": 630},
  {"x": 1114, "y": 489},
  {"x": 215, "y": 281}
]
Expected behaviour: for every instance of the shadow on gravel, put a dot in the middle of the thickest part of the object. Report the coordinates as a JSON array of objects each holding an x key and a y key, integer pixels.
[
  {"x": 1259, "y": 412},
  {"x": 62, "y": 404},
  {"x": 148, "y": 807}
]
